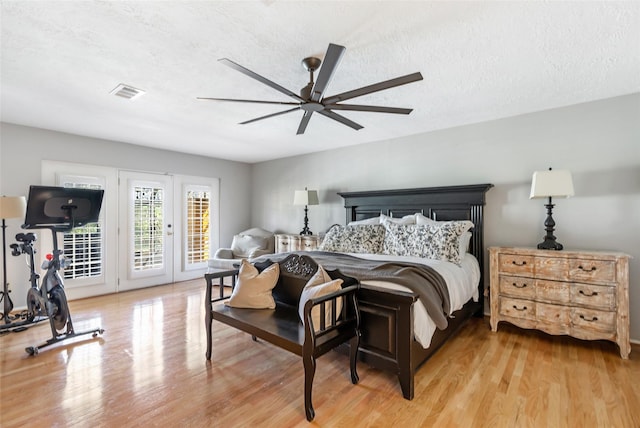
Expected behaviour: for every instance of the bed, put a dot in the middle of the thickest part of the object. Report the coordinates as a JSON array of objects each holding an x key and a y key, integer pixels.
[
  {"x": 388, "y": 340},
  {"x": 392, "y": 320}
]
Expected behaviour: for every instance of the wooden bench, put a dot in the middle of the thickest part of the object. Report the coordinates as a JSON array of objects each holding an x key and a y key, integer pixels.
[{"x": 282, "y": 326}]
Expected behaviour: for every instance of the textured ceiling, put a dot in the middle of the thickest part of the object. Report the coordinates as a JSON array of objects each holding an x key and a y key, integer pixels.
[{"x": 480, "y": 61}]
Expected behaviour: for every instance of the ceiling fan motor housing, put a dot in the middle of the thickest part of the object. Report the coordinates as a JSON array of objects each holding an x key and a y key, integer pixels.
[{"x": 310, "y": 64}]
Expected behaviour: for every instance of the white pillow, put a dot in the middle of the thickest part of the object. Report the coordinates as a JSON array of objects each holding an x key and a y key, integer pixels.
[
  {"x": 253, "y": 288},
  {"x": 465, "y": 240},
  {"x": 243, "y": 245},
  {"x": 422, "y": 219},
  {"x": 372, "y": 220},
  {"x": 320, "y": 284},
  {"x": 408, "y": 219}
]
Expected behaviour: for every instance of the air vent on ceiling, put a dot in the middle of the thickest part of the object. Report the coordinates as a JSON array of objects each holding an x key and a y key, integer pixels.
[{"x": 126, "y": 91}]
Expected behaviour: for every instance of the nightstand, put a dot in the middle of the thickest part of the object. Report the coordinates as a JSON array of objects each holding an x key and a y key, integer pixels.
[
  {"x": 289, "y": 242},
  {"x": 584, "y": 294}
]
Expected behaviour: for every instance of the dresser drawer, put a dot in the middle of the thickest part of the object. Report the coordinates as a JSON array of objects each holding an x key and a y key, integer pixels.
[
  {"x": 517, "y": 286},
  {"x": 515, "y": 308},
  {"x": 598, "y": 296},
  {"x": 592, "y": 270},
  {"x": 516, "y": 264},
  {"x": 593, "y": 320},
  {"x": 552, "y": 268},
  {"x": 552, "y": 291},
  {"x": 553, "y": 318},
  {"x": 282, "y": 244},
  {"x": 309, "y": 243}
]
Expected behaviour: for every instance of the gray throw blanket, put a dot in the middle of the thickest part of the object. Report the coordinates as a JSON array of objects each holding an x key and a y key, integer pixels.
[{"x": 423, "y": 280}]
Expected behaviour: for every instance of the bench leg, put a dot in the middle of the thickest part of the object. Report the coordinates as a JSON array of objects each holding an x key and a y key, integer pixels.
[
  {"x": 354, "y": 344},
  {"x": 208, "y": 318},
  {"x": 309, "y": 372},
  {"x": 208, "y": 321}
]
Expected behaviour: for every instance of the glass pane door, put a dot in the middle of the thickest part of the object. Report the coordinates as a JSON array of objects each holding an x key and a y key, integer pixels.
[{"x": 146, "y": 234}]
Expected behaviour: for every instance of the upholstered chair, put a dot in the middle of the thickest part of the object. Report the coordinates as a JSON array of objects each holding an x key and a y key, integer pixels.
[{"x": 248, "y": 244}]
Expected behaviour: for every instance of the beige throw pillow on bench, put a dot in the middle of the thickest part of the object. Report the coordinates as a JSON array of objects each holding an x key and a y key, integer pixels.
[
  {"x": 253, "y": 288},
  {"x": 320, "y": 284}
]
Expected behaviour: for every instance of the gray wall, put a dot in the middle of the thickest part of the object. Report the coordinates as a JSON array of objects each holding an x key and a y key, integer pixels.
[
  {"x": 599, "y": 142},
  {"x": 22, "y": 150}
]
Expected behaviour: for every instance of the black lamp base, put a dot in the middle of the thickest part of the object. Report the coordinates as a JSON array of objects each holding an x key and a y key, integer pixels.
[
  {"x": 305, "y": 229},
  {"x": 549, "y": 242}
]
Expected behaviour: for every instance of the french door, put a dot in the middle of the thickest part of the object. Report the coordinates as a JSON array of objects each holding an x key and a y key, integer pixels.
[
  {"x": 146, "y": 230},
  {"x": 153, "y": 229}
]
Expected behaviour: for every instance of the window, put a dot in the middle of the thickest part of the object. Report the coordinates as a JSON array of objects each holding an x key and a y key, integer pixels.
[
  {"x": 197, "y": 233},
  {"x": 148, "y": 235},
  {"x": 83, "y": 246}
]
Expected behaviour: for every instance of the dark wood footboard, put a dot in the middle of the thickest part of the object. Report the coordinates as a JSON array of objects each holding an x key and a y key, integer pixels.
[
  {"x": 387, "y": 341},
  {"x": 387, "y": 316}
]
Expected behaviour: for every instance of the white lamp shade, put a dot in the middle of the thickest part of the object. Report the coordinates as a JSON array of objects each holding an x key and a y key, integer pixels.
[
  {"x": 306, "y": 197},
  {"x": 551, "y": 183},
  {"x": 12, "y": 206}
]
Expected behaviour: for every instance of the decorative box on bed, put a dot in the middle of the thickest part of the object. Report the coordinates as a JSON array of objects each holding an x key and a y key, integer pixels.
[{"x": 387, "y": 316}]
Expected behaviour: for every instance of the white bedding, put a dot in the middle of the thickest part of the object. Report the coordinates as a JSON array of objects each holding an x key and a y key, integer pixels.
[{"x": 462, "y": 283}]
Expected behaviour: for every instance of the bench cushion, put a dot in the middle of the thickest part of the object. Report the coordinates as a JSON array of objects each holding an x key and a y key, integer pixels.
[{"x": 253, "y": 289}]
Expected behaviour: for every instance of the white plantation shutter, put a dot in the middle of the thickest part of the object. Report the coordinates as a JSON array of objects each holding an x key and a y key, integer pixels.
[
  {"x": 197, "y": 233},
  {"x": 148, "y": 228},
  {"x": 83, "y": 247}
]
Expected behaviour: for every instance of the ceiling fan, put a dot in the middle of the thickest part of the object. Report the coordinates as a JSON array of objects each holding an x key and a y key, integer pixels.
[{"x": 312, "y": 100}]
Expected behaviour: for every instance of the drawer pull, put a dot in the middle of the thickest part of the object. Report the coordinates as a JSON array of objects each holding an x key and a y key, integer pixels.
[
  {"x": 593, "y": 293},
  {"x": 591, "y": 269},
  {"x": 523, "y": 285},
  {"x": 592, "y": 319},
  {"x": 519, "y": 264},
  {"x": 524, "y": 308}
]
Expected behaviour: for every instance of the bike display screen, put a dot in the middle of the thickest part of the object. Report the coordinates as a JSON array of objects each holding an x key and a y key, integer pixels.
[{"x": 62, "y": 207}]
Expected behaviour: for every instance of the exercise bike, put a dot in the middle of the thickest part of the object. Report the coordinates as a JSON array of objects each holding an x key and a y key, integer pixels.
[
  {"x": 50, "y": 300},
  {"x": 20, "y": 322},
  {"x": 59, "y": 210}
]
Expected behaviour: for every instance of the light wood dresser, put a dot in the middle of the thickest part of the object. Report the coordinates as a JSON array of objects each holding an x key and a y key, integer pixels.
[
  {"x": 584, "y": 294},
  {"x": 289, "y": 242}
]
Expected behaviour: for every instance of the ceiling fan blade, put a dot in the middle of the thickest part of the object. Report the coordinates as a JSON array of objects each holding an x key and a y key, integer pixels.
[
  {"x": 304, "y": 122},
  {"x": 259, "y": 78},
  {"x": 269, "y": 115},
  {"x": 378, "y": 109},
  {"x": 380, "y": 86},
  {"x": 341, "y": 119},
  {"x": 329, "y": 64},
  {"x": 248, "y": 101}
]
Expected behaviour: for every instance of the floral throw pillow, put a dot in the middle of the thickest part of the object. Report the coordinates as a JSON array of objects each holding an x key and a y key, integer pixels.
[
  {"x": 431, "y": 241},
  {"x": 363, "y": 239}
]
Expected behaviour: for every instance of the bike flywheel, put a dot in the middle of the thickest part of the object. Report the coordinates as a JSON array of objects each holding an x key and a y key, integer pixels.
[
  {"x": 33, "y": 304},
  {"x": 61, "y": 315}
]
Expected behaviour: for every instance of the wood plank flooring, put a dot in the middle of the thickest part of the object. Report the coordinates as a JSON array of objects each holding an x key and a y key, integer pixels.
[{"x": 149, "y": 369}]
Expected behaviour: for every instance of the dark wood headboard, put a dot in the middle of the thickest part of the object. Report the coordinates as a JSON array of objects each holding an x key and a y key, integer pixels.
[{"x": 438, "y": 203}]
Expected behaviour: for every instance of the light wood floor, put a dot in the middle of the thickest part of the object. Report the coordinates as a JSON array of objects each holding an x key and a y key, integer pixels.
[{"x": 149, "y": 369}]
